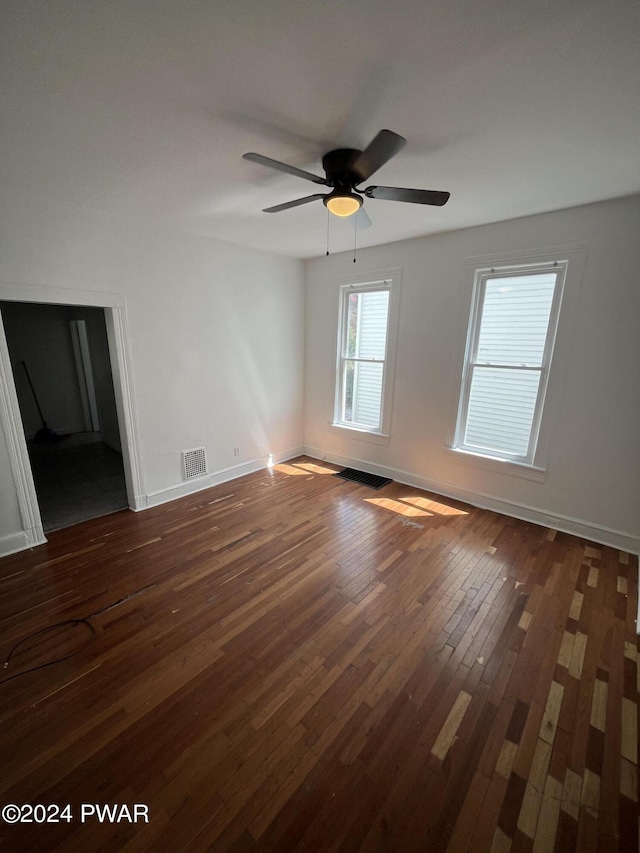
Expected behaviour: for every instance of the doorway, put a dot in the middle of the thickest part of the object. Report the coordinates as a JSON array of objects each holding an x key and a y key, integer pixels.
[
  {"x": 61, "y": 368},
  {"x": 111, "y": 450},
  {"x": 60, "y": 361}
]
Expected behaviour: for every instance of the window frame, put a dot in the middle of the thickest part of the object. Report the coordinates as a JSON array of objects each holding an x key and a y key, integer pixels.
[
  {"x": 389, "y": 281},
  {"x": 532, "y": 464}
]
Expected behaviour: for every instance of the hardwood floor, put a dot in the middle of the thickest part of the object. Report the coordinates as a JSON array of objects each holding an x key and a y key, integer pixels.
[{"x": 294, "y": 662}]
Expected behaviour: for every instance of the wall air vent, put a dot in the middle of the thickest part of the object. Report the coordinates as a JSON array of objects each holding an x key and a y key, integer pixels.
[{"x": 194, "y": 462}]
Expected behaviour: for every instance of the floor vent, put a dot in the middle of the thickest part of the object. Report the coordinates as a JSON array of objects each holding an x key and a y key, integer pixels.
[
  {"x": 363, "y": 478},
  {"x": 194, "y": 462}
]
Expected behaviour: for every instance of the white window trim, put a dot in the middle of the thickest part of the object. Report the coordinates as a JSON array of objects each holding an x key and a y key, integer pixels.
[
  {"x": 572, "y": 258},
  {"x": 374, "y": 280}
]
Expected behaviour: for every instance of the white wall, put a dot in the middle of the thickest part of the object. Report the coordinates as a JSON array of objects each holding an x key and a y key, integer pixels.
[
  {"x": 216, "y": 334},
  {"x": 217, "y": 342},
  {"x": 592, "y": 484}
]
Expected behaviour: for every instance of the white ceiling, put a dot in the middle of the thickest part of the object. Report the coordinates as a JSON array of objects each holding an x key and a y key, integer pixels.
[{"x": 143, "y": 108}]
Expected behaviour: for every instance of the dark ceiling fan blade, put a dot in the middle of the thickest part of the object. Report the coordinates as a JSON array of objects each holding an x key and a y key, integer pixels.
[
  {"x": 287, "y": 204},
  {"x": 381, "y": 149},
  {"x": 284, "y": 167},
  {"x": 415, "y": 196}
]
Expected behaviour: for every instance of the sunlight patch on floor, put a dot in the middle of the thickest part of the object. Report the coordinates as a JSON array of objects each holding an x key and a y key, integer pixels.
[
  {"x": 433, "y": 506},
  {"x": 302, "y": 468},
  {"x": 314, "y": 468},
  {"x": 397, "y": 507},
  {"x": 290, "y": 469}
]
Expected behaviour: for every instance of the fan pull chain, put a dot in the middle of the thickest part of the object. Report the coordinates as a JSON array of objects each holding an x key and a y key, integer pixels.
[
  {"x": 328, "y": 218},
  {"x": 355, "y": 236}
]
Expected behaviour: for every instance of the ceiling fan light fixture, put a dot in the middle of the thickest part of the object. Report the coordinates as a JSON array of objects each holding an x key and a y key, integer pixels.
[{"x": 342, "y": 203}]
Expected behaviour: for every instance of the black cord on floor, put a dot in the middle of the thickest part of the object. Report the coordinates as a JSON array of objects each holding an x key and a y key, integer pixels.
[{"x": 51, "y": 662}]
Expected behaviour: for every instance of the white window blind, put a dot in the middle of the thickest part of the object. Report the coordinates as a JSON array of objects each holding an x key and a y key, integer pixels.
[
  {"x": 366, "y": 339},
  {"x": 363, "y": 342},
  {"x": 509, "y": 348}
]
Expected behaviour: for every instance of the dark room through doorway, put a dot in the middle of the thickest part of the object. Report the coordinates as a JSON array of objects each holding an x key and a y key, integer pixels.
[{"x": 62, "y": 372}]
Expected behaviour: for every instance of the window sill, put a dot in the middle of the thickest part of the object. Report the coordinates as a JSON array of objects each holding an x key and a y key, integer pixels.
[
  {"x": 499, "y": 466},
  {"x": 360, "y": 434}
]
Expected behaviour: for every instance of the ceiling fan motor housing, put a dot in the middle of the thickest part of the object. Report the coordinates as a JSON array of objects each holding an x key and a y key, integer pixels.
[{"x": 337, "y": 166}]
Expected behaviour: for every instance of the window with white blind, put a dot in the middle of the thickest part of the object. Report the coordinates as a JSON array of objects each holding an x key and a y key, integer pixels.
[
  {"x": 363, "y": 374},
  {"x": 510, "y": 341}
]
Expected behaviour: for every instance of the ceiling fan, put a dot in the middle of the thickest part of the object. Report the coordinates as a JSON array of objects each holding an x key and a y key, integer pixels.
[{"x": 345, "y": 169}]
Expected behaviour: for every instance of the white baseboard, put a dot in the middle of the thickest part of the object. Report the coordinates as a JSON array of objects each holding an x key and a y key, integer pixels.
[
  {"x": 566, "y": 524},
  {"x": 23, "y": 540},
  {"x": 20, "y": 542},
  {"x": 596, "y": 533},
  {"x": 216, "y": 478},
  {"x": 30, "y": 436},
  {"x": 68, "y": 431},
  {"x": 13, "y": 543}
]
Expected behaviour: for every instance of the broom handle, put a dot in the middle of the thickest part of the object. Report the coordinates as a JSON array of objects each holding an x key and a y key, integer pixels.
[{"x": 33, "y": 391}]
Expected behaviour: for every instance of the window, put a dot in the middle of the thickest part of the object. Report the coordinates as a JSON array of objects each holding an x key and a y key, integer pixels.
[
  {"x": 367, "y": 314},
  {"x": 510, "y": 341}
]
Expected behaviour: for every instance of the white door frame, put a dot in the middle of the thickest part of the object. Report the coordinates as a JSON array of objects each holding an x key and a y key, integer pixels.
[{"x": 11, "y": 419}]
